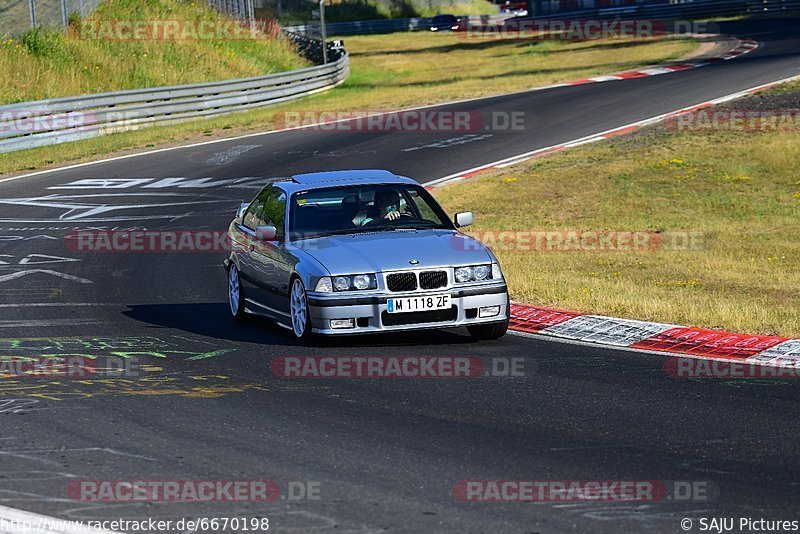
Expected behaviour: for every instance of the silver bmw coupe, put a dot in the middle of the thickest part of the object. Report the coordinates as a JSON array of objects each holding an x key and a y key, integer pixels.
[{"x": 356, "y": 252}]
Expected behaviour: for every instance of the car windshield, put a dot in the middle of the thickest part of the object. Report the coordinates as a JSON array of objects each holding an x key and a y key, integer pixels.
[{"x": 363, "y": 208}]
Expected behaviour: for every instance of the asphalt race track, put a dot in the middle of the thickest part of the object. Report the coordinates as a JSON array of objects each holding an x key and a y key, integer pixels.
[{"x": 384, "y": 454}]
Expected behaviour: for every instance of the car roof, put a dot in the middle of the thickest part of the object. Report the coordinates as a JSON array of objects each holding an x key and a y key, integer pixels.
[{"x": 354, "y": 177}]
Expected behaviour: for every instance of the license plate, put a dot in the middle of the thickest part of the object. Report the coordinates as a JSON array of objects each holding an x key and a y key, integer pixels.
[{"x": 416, "y": 304}]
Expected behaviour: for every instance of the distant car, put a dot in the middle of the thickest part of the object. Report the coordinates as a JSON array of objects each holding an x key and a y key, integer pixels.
[
  {"x": 356, "y": 252},
  {"x": 516, "y": 9},
  {"x": 515, "y": 12},
  {"x": 444, "y": 23}
]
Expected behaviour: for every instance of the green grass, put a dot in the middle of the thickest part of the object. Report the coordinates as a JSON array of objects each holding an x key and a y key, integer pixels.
[
  {"x": 390, "y": 72},
  {"x": 784, "y": 88},
  {"x": 740, "y": 190},
  {"x": 46, "y": 64}
]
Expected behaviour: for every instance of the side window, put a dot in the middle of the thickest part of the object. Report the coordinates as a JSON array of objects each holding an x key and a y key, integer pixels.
[
  {"x": 425, "y": 211},
  {"x": 268, "y": 208},
  {"x": 274, "y": 209},
  {"x": 252, "y": 217}
]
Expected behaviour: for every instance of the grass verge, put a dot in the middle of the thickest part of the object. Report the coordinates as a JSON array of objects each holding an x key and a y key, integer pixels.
[
  {"x": 390, "y": 72},
  {"x": 47, "y": 64},
  {"x": 738, "y": 189}
]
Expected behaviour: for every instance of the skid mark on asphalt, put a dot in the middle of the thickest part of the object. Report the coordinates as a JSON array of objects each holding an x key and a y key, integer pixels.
[
  {"x": 652, "y": 516},
  {"x": 327, "y": 153},
  {"x": 450, "y": 142},
  {"x": 230, "y": 155},
  {"x": 125, "y": 365}
]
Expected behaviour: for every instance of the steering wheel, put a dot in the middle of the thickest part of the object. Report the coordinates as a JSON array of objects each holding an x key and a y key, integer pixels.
[{"x": 404, "y": 215}]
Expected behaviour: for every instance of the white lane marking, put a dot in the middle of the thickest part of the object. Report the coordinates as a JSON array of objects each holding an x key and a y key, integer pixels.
[
  {"x": 507, "y": 162},
  {"x": 27, "y": 323},
  {"x": 585, "y": 142},
  {"x": 106, "y": 450},
  {"x": 39, "y": 259},
  {"x": 85, "y": 211},
  {"x": 18, "y": 406},
  {"x": 23, "y": 238},
  {"x": 56, "y": 304},
  {"x": 19, "y": 274},
  {"x": 270, "y": 132},
  {"x": 103, "y": 183},
  {"x": 22, "y": 522}
]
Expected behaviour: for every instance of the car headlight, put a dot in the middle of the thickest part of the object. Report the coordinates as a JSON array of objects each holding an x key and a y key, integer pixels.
[
  {"x": 497, "y": 274},
  {"x": 482, "y": 272},
  {"x": 463, "y": 274},
  {"x": 361, "y": 281},
  {"x": 355, "y": 282},
  {"x": 324, "y": 285},
  {"x": 475, "y": 273},
  {"x": 341, "y": 283}
]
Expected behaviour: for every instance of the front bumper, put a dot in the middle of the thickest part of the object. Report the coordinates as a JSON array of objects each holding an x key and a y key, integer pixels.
[{"x": 370, "y": 315}]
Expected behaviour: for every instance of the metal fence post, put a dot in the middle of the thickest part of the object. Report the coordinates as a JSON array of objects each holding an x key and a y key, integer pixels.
[
  {"x": 323, "y": 31},
  {"x": 64, "y": 15},
  {"x": 32, "y": 6}
]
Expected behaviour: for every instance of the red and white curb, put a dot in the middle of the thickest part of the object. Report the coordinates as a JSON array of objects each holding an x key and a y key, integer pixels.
[
  {"x": 514, "y": 160},
  {"x": 643, "y": 336},
  {"x": 745, "y": 46}
]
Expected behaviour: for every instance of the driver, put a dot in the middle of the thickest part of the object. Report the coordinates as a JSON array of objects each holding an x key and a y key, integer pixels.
[{"x": 386, "y": 206}]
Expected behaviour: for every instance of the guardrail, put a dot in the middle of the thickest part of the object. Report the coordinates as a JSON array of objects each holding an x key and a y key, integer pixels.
[
  {"x": 689, "y": 9},
  {"x": 60, "y": 120},
  {"x": 363, "y": 27}
]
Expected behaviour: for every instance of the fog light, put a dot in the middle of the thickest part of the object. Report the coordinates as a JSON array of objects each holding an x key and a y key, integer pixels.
[
  {"x": 489, "y": 311},
  {"x": 342, "y": 323}
]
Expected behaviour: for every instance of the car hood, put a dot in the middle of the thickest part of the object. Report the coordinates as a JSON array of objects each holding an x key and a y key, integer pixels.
[{"x": 388, "y": 251}]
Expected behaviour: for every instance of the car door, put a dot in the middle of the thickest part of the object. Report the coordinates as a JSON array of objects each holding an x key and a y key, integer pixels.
[
  {"x": 246, "y": 235},
  {"x": 269, "y": 260}
]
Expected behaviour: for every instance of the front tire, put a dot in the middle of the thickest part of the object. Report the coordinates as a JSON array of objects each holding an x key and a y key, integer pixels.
[
  {"x": 485, "y": 332},
  {"x": 298, "y": 311},
  {"x": 235, "y": 293}
]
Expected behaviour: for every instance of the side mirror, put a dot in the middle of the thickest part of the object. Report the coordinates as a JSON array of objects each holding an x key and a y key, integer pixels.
[
  {"x": 464, "y": 218},
  {"x": 242, "y": 208},
  {"x": 266, "y": 233}
]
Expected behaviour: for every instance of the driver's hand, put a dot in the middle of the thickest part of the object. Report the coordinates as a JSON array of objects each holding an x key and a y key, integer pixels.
[{"x": 392, "y": 216}]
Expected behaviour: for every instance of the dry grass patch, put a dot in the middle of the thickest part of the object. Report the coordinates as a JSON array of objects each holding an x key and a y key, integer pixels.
[{"x": 739, "y": 190}]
